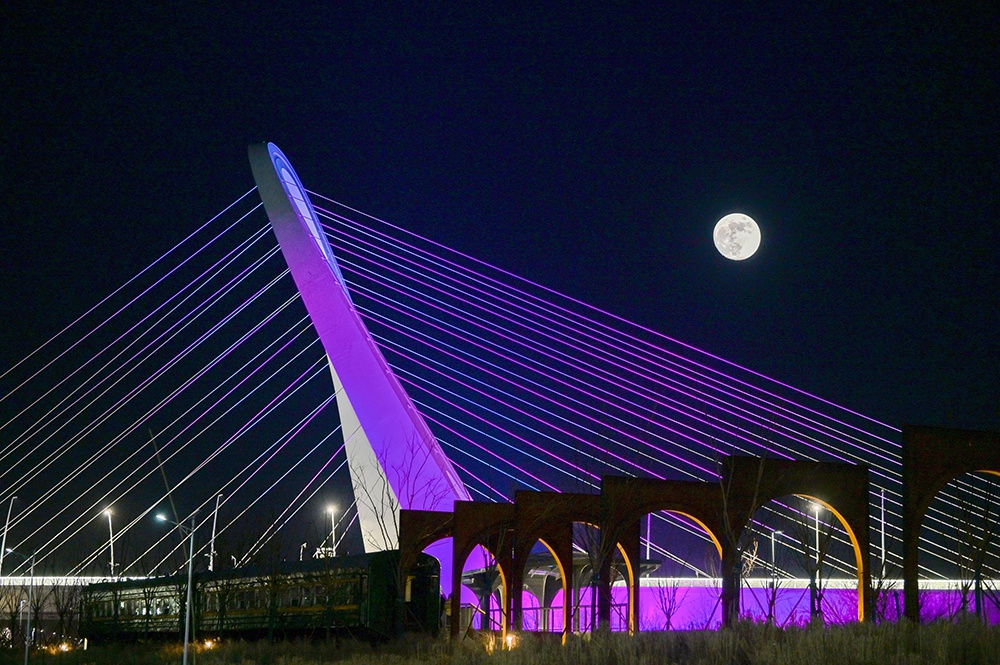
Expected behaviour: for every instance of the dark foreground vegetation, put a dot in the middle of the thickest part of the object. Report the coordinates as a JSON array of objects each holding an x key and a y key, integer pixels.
[{"x": 748, "y": 644}]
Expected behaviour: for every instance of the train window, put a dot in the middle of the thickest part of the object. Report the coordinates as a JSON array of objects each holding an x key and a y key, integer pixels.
[{"x": 307, "y": 599}]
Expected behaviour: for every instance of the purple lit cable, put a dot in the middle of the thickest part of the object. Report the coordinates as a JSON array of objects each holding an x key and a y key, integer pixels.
[
  {"x": 427, "y": 285},
  {"x": 604, "y": 313}
]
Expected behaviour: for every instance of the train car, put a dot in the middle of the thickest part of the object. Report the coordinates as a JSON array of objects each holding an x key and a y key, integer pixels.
[{"x": 353, "y": 595}]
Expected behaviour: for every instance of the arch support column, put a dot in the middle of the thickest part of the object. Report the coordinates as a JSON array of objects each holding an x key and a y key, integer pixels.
[{"x": 933, "y": 457}]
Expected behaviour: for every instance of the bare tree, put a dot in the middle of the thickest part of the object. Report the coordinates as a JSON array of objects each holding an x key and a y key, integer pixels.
[
  {"x": 66, "y": 602},
  {"x": 814, "y": 544},
  {"x": 740, "y": 540},
  {"x": 11, "y": 603},
  {"x": 669, "y": 603},
  {"x": 885, "y": 594},
  {"x": 38, "y": 601},
  {"x": 229, "y": 550},
  {"x": 977, "y": 535},
  {"x": 401, "y": 485}
]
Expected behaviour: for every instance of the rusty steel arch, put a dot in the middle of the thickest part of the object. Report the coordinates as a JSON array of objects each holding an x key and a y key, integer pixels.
[
  {"x": 933, "y": 457},
  {"x": 627, "y": 500},
  {"x": 750, "y": 482},
  {"x": 489, "y": 525},
  {"x": 722, "y": 508},
  {"x": 549, "y": 517}
]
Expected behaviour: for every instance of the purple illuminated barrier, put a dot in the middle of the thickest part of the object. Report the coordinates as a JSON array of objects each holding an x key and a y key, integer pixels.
[
  {"x": 698, "y": 608},
  {"x": 394, "y": 459}
]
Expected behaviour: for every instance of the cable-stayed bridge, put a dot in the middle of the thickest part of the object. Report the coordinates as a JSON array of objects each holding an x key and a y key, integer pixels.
[{"x": 204, "y": 374}]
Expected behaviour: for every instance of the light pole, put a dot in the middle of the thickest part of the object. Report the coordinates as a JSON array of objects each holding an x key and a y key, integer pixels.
[
  {"x": 816, "y": 611},
  {"x": 774, "y": 581},
  {"x": 187, "y": 607},
  {"x": 882, "y": 571},
  {"x": 774, "y": 567},
  {"x": 302, "y": 548},
  {"x": 211, "y": 547},
  {"x": 31, "y": 600},
  {"x": 333, "y": 528},
  {"x": 111, "y": 541},
  {"x": 649, "y": 533},
  {"x": 3, "y": 545}
]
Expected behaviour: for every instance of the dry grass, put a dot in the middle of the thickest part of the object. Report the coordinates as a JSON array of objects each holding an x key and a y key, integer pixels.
[{"x": 747, "y": 644}]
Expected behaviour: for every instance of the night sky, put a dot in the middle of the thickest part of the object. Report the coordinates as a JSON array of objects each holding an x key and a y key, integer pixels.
[{"x": 589, "y": 147}]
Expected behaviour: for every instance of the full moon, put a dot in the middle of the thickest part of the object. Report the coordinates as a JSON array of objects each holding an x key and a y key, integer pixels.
[{"x": 737, "y": 236}]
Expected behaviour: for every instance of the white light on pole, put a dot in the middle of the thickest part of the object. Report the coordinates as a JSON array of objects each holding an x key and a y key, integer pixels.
[
  {"x": 188, "y": 606},
  {"x": 111, "y": 541},
  {"x": 774, "y": 566},
  {"x": 773, "y": 600},
  {"x": 333, "y": 528},
  {"x": 882, "y": 572},
  {"x": 816, "y": 611},
  {"x": 649, "y": 533},
  {"x": 3, "y": 545},
  {"x": 816, "y": 508},
  {"x": 211, "y": 547}
]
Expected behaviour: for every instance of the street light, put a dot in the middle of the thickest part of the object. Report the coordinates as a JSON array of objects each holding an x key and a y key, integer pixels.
[
  {"x": 31, "y": 600},
  {"x": 774, "y": 581},
  {"x": 774, "y": 566},
  {"x": 3, "y": 545},
  {"x": 302, "y": 548},
  {"x": 815, "y": 597},
  {"x": 188, "y": 606},
  {"x": 881, "y": 572},
  {"x": 211, "y": 547},
  {"x": 333, "y": 528},
  {"x": 111, "y": 541}
]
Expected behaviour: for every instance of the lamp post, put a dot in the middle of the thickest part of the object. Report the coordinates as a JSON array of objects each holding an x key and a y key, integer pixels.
[
  {"x": 111, "y": 541},
  {"x": 882, "y": 571},
  {"x": 814, "y": 583},
  {"x": 31, "y": 600},
  {"x": 187, "y": 607},
  {"x": 649, "y": 533},
  {"x": 774, "y": 567},
  {"x": 3, "y": 545},
  {"x": 774, "y": 581},
  {"x": 211, "y": 547},
  {"x": 333, "y": 528}
]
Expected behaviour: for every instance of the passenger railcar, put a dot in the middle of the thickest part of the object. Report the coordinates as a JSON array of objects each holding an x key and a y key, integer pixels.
[{"x": 347, "y": 595}]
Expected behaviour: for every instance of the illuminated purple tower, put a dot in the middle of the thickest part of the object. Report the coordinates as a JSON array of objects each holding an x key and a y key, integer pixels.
[{"x": 394, "y": 460}]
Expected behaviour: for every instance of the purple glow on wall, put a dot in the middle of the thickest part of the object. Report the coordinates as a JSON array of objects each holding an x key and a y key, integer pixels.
[{"x": 698, "y": 608}]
